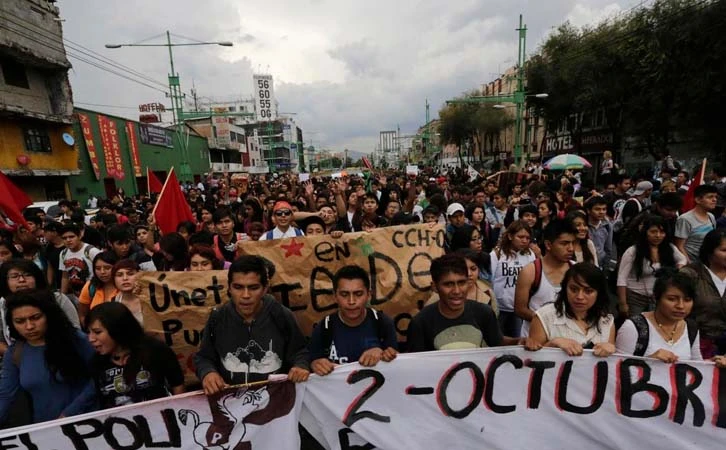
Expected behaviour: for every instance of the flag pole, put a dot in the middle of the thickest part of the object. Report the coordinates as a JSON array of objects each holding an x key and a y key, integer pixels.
[
  {"x": 703, "y": 171},
  {"x": 148, "y": 183},
  {"x": 163, "y": 188}
]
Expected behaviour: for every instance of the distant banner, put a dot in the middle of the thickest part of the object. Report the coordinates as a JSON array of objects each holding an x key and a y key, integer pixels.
[
  {"x": 134, "y": 148},
  {"x": 512, "y": 398},
  {"x": 152, "y": 135},
  {"x": 90, "y": 145},
  {"x": 237, "y": 419},
  {"x": 118, "y": 162},
  {"x": 177, "y": 304},
  {"x": 103, "y": 126}
]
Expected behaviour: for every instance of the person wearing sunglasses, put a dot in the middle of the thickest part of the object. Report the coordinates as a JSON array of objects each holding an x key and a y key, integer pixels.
[{"x": 282, "y": 216}]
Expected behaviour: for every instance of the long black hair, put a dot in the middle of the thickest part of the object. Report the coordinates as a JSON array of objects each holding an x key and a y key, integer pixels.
[
  {"x": 586, "y": 274},
  {"x": 62, "y": 357},
  {"x": 587, "y": 255},
  {"x": 711, "y": 242},
  {"x": 109, "y": 257},
  {"x": 127, "y": 333},
  {"x": 642, "y": 247},
  {"x": 24, "y": 266}
]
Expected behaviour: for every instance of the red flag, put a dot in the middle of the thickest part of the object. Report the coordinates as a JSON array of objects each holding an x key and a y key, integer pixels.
[
  {"x": 171, "y": 208},
  {"x": 689, "y": 200},
  {"x": 13, "y": 200},
  {"x": 153, "y": 182},
  {"x": 367, "y": 163}
]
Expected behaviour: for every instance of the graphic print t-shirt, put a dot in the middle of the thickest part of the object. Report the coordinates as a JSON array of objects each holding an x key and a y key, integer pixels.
[
  {"x": 78, "y": 265},
  {"x": 151, "y": 382},
  {"x": 476, "y": 327},
  {"x": 349, "y": 343}
]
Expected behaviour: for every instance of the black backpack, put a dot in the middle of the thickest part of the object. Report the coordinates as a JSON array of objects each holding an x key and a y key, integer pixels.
[
  {"x": 641, "y": 324},
  {"x": 327, "y": 329}
]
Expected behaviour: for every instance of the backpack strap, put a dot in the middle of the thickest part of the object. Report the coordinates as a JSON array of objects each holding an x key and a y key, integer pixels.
[
  {"x": 692, "y": 330},
  {"x": 268, "y": 235},
  {"x": 18, "y": 352},
  {"x": 326, "y": 334},
  {"x": 91, "y": 290},
  {"x": 537, "y": 277},
  {"x": 641, "y": 325},
  {"x": 298, "y": 231}
]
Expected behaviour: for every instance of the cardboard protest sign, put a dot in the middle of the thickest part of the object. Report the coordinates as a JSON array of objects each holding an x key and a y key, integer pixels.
[{"x": 177, "y": 304}]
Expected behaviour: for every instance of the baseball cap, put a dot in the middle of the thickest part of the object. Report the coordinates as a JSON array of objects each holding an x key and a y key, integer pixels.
[
  {"x": 454, "y": 208},
  {"x": 641, "y": 188}
]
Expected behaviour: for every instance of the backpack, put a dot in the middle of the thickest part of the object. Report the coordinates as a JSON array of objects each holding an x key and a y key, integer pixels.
[
  {"x": 641, "y": 324},
  {"x": 538, "y": 276},
  {"x": 619, "y": 206},
  {"x": 327, "y": 331},
  {"x": 268, "y": 235}
]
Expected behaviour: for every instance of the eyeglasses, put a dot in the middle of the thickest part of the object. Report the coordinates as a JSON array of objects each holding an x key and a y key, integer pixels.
[
  {"x": 283, "y": 213},
  {"x": 17, "y": 276}
]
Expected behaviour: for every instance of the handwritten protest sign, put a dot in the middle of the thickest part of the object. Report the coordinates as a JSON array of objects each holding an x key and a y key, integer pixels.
[
  {"x": 177, "y": 304},
  {"x": 485, "y": 398}
]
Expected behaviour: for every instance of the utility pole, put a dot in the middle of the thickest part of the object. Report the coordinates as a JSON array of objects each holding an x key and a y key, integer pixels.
[{"x": 518, "y": 97}]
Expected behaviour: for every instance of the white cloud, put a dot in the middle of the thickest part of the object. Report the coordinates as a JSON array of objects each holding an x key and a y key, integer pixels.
[{"x": 347, "y": 68}]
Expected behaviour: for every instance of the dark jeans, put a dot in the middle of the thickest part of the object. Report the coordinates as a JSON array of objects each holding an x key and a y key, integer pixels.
[{"x": 510, "y": 324}]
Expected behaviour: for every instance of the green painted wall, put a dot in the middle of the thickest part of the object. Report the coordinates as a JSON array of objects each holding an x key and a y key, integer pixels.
[{"x": 158, "y": 159}]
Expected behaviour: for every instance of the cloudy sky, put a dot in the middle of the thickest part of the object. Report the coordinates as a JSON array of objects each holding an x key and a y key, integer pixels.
[{"x": 348, "y": 69}]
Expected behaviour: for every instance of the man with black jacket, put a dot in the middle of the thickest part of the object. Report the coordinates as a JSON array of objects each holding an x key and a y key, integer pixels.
[
  {"x": 666, "y": 206},
  {"x": 252, "y": 336}
]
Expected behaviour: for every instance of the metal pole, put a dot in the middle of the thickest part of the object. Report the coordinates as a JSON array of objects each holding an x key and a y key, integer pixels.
[{"x": 519, "y": 94}]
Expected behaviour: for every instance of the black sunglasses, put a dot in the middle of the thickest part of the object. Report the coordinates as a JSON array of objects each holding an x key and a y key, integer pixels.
[{"x": 283, "y": 213}]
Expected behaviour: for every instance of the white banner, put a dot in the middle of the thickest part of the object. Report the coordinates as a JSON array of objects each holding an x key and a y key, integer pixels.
[
  {"x": 501, "y": 398},
  {"x": 265, "y": 105},
  {"x": 511, "y": 398},
  {"x": 237, "y": 419}
]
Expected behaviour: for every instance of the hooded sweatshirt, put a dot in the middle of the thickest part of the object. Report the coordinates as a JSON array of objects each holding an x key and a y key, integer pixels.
[{"x": 247, "y": 352}]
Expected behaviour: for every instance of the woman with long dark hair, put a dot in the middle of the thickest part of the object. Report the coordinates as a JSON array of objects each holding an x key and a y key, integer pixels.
[
  {"x": 636, "y": 274},
  {"x": 21, "y": 275},
  {"x": 130, "y": 366},
  {"x": 124, "y": 274},
  {"x": 585, "y": 250},
  {"x": 579, "y": 318},
  {"x": 8, "y": 251},
  {"x": 50, "y": 359},
  {"x": 665, "y": 333},
  {"x": 101, "y": 287},
  {"x": 507, "y": 260},
  {"x": 546, "y": 212},
  {"x": 466, "y": 236},
  {"x": 253, "y": 213},
  {"x": 173, "y": 253},
  {"x": 202, "y": 257},
  {"x": 709, "y": 276}
]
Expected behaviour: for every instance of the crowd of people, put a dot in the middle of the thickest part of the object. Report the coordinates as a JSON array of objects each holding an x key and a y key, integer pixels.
[{"x": 534, "y": 262}]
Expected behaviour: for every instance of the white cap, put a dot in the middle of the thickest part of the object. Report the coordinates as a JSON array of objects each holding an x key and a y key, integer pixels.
[
  {"x": 454, "y": 208},
  {"x": 641, "y": 188}
]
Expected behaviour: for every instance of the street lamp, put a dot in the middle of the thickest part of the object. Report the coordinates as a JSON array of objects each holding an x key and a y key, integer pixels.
[{"x": 175, "y": 93}]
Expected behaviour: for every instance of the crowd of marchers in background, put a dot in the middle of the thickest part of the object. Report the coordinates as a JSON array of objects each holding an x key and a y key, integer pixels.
[{"x": 541, "y": 261}]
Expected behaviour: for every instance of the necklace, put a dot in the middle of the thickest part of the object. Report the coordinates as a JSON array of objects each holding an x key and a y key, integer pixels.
[{"x": 670, "y": 341}]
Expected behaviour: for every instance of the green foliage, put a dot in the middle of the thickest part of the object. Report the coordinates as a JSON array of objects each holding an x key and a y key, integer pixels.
[{"x": 657, "y": 73}]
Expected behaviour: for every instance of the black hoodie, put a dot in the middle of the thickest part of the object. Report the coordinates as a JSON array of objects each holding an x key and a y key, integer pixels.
[{"x": 247, "y": 352}]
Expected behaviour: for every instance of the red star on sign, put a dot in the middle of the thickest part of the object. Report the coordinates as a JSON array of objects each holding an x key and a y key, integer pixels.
[{"x": 293, "y": 248}]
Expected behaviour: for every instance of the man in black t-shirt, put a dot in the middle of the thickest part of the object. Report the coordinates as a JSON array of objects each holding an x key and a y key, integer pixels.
[
  {"x": 354, "y": 332},
  {"x": 454, "y": 322},
  {"x": 620, "y": 193},
  {"x": 53, "y": 248}
]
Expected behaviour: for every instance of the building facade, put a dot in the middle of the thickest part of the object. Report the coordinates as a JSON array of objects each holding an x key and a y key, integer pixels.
[
  {"x": 114, "y": 153},
  {"x": 36, "y": 103}
]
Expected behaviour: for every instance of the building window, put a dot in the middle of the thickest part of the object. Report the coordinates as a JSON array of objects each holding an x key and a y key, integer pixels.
[
  {"x": 232, "y": 108},
  {"x": 37, "y": 140},
  {"x": 14, "y": 73}
]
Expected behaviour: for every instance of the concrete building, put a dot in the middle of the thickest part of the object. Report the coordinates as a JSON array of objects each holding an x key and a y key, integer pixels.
[
  {"x": 279, "y": 143},
  {"x": 36, "y": 103}
]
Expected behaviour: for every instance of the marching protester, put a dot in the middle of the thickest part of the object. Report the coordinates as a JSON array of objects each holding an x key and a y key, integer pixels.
[
  {"x": 202, "y": 257},
  {"x": 49, "y": 359},
  {"x": 693, "y": 226},
  {"x": 507, "y": 260},
  {"x": 665, "y": 333},
  {"x": 101, "y": 288},
  {"x": 129, "y": 366},
  {"x": 539, "y": 282},
  {"x": 355, "y": 332},
  {"x": 479, "y": 290},
  {"x": 708, "y": 274},
  {"x": 639, "y": 263},
  {"x": 251, "y": 336},
  {"x": 584, "y": 248},
  {"x": 124, "y": 274},
  {"x": 579, "y": 318},
  {"x": 282, "y": 212},
  {"x": 76, "y": 261}
]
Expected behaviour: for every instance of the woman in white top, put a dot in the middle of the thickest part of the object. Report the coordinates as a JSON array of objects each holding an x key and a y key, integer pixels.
[
  {"x": 585, "y": 250},
  {"x": 507, "y": 261},
  {"x": 664, "y": 333},
  {"x": 579, "y": 318},
  {"x": 636, "y": 275}
]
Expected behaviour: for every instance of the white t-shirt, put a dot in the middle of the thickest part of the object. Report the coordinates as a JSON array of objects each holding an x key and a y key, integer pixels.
[
  {"x": 278, "y": 234},
  {"x": 718, "y": 282},
  {"x": 565, "y": 327},
  {"x": 547, "y": 293},
  {"x": 644, "y": 285},
  {"x": 79, "y": 266},
  {"x": 505, "y": 272},
  {"x": 628, "y": 338}
]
